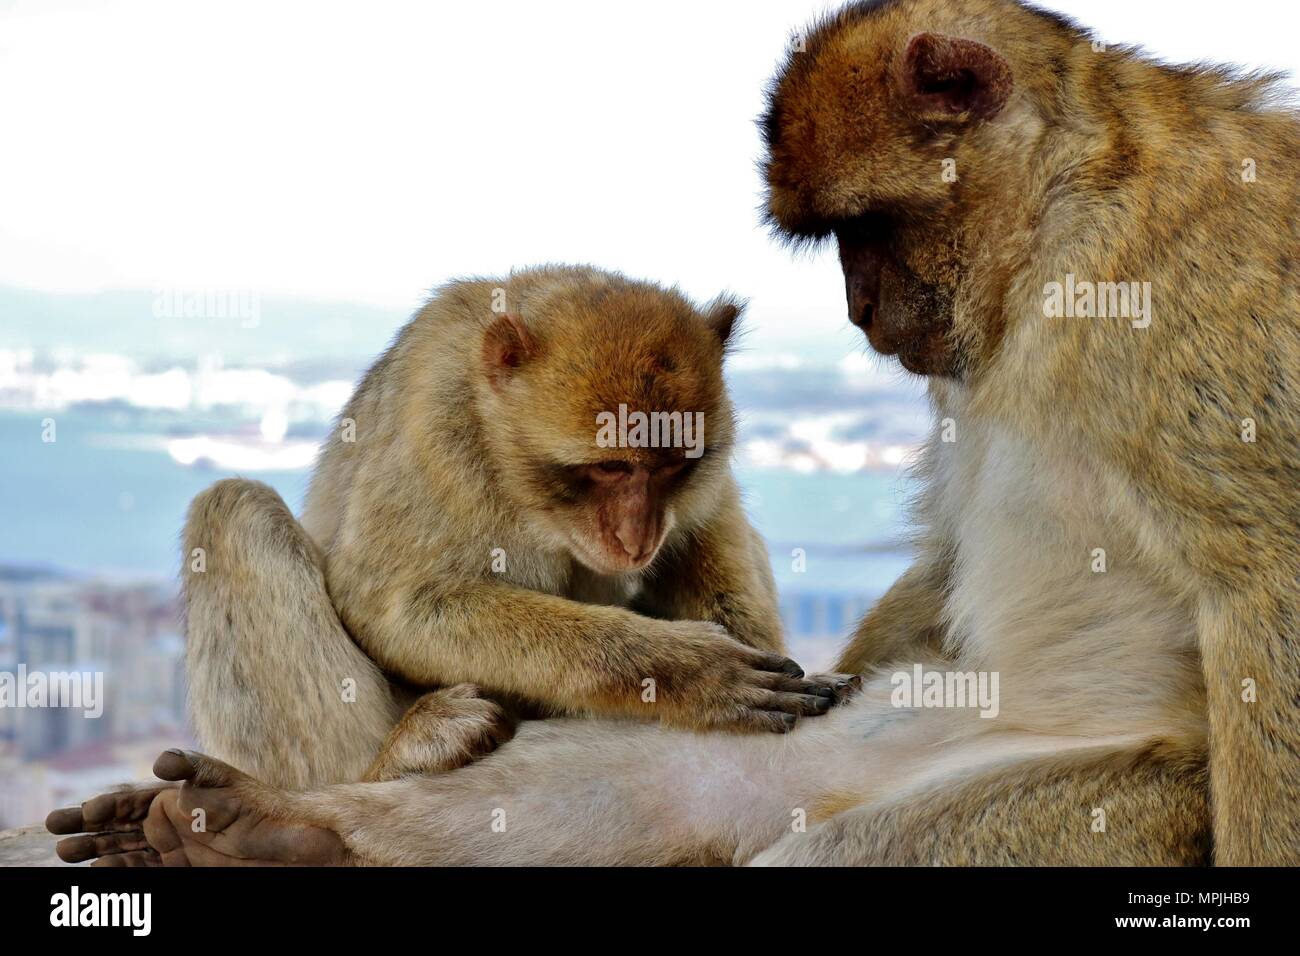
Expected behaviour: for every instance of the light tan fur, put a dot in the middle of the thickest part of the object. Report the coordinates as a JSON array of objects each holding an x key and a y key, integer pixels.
[{"x": 441, "y": 535}]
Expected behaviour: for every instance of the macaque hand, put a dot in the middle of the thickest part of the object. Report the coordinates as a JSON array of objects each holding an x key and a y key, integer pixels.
[{"x": 716, "y": 682}]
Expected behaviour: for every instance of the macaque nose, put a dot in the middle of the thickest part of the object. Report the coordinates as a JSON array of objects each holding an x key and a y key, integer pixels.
[
  {"x": 862, "y": 255},
  {"x": 632, "y": 536}
]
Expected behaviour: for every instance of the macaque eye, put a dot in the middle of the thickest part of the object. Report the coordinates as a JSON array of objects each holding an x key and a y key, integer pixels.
[
  {"x": 614, "y": 467},
  {"x": 678, "y": 469}
]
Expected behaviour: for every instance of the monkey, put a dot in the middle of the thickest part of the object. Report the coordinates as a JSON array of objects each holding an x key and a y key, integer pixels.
[
  {"x": 471, "y": 527},
  {"x": 1154, "y": 535},
  {"x": 1107, "y": 519}
]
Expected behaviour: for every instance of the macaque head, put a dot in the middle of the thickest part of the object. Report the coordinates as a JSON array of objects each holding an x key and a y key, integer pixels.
[
  {"x": 604, "y": 405},
  {"x": 888, "y": 131}
]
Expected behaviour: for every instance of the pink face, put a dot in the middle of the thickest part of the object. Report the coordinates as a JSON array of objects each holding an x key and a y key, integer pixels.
[{"x": 623, "y": 511}]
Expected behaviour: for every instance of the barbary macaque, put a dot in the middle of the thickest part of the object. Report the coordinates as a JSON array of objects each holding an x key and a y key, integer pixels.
[
  {"x": 1109, "y": 517},
  {"x": 529, "y": 496}
]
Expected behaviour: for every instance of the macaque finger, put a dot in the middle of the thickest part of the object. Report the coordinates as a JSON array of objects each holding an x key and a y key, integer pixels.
[
  {"x": 803, "y": 705},
  {"x": 796, "y": 685},
  {"x": 839, "y": 687},
  {"x": 764, "y": 661}
]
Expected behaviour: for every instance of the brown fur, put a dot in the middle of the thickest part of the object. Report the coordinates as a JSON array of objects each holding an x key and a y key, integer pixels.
[{"x": 1113, "y": 168}]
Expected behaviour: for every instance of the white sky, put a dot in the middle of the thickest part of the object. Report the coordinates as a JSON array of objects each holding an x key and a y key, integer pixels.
[{"x": 367, "y": 151}]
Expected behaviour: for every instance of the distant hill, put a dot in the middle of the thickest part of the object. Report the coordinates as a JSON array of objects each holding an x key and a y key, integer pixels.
[{"x": 286, "y": 329}]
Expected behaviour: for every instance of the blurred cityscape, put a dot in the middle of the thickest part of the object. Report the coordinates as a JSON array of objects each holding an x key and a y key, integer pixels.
[{"x": 53, "y": 624}]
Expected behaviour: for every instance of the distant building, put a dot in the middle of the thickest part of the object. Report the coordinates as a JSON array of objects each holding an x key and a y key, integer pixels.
[{"x": 51, "y": 623}]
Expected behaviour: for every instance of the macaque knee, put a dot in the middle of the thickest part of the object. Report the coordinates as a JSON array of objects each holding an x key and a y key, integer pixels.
[
  {"x": 442, "y": 730},
  {"x": 236, "y": 522},
  {"x": 276, "y": 684}
]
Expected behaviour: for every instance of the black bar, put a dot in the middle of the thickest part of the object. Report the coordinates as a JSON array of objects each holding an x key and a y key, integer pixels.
[{"x": 660, "y": 907}]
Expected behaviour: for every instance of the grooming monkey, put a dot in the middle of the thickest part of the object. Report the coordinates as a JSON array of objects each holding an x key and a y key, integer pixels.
[
  {"x": 472, "y": 532},
  {"x": 1113, "y": 529}
]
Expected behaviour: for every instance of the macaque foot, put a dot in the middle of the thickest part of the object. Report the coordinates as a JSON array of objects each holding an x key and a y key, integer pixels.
[
  {"x": 210, "y": 815},
  {"x": 442, "y": 730}
]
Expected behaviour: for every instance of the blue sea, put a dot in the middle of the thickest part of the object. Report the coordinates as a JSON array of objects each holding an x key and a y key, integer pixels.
[{"x": 106, "y": 499}]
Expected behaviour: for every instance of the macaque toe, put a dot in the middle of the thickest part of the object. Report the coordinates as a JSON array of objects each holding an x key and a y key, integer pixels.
[
  {"x": 119, "y": 810},
  {"x": 196, "y": 768},
  {"x": 88, "y": 846}
]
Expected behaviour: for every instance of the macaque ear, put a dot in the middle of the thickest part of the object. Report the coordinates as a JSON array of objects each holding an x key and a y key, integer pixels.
[
  {"x": 507, "y": 345},
  {"x": 721, "y": 315},
  {"x": 945, "y": 74}
]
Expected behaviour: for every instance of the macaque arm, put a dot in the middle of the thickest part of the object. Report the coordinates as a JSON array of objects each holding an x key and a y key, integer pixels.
[
  {"x": 589, "y": 658},
  {"x": 720, "y": 573},
  {"x": 903, "y": 624}
]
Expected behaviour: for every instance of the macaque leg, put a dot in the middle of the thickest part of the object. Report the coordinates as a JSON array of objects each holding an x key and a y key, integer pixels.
[
  {"x": 277, "y": 685},
  {"x": 1148, "y": 806},
  {"x": 586, "y": 791},
  {"x": 564, "y": 791},
  {"x": 895, "y": 785},
  {"x": 443, "y": 730}
]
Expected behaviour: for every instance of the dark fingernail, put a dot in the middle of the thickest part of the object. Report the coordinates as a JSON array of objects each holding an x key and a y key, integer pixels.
[
  {"x": 789, "y": 719},
  {"x": 822, "y": 705},
  {"x": 825, "y": 692}
]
